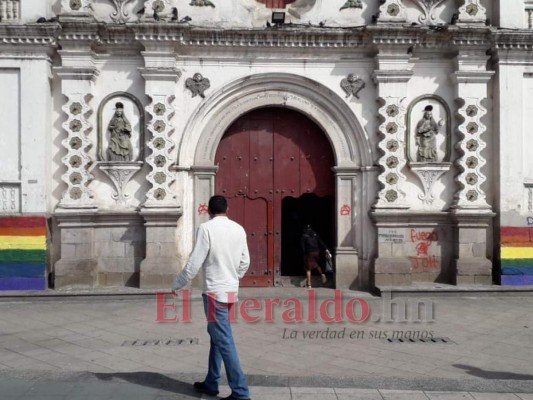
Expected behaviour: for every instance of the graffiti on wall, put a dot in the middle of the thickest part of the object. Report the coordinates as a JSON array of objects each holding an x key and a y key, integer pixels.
[{"x": 423, "y": 261}]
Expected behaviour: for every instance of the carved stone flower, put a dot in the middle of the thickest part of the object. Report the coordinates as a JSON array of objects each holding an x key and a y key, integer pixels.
[
  {"x": 471, "y": 111},
  {"x": 472, "y": 145},
  {"x": 75, "y": 5},
  {"x": 75, "y": 193},
  {"x": 392, "y": 162},
  {"x": 393, "y": 10},
  {"x": 75, "y": 108},
  {"x": 159, "y": 109},
  {"x": 160, "y": 177},
  {"x": 160, "y": 194},
  {"x": 75, "y": 178},
  {"x": 160, "y": 161},
  {"x": 75, "y": 143},
  {"x": 472, "y": 195},
  {"x": 75, "y": 161},
  {"x": 392, "y": 145},
  {"x": 472, "y": 9},
  {"x": 391, "y": 195},
  {"x": 472, "y": 127},
  {"x": 159, "y": 126},
  {"x": 471, "y": 178},
  {"x": 158, "y": 6},
  {"x": 472, "y": 162},
  {"x": 75, "y": 125},
  {"x": 392, "y": 179},
  {"x": 391, "y": 128},
  {"x": 159, "y": 143},
  {"x": 392, "y": 110}
]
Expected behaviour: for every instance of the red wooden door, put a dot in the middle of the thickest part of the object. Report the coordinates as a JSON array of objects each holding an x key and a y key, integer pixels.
[{"x": 265, "y": 156}]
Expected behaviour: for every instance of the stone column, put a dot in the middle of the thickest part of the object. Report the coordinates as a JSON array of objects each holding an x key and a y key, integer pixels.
[
  {"x": 392, "y": 78},
  {"x": 471, "y": 212},
  {"x": 346, "y": 255},
  {"x": 161, "y": 209},
  {"x": 77, "y": 265}
]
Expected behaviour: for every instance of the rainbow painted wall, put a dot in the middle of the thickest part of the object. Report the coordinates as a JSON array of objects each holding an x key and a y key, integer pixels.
[
  {"x": 516, "y": 255},
  {"x": 23, "y": 253}
]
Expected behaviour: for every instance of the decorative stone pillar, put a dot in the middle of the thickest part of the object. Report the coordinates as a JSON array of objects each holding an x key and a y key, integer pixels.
[
  {"x": 392, "y": 78},
  {"x": 161, "y": 209},
  {"x": 77, "y": 88},
  {"x": 78, "y": 264},
  {"x": 472, "y": 12},
  {"x": 391, "y": 11},
  {"x": 159, "y": 9},
  {"x": 472, "y": 214},
  {"x": 76, "y": 9},
  {"x": 346, "y": 255}
]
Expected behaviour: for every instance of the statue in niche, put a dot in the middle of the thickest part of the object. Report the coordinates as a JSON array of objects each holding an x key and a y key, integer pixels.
[
  {"x": 119, "y": 128},
  {"x": 426, "y": 137},
  {"x": 352, "y": 4}
]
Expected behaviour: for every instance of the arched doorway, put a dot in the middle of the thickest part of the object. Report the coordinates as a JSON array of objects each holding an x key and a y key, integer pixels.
[{"x": 275, "y": 168}]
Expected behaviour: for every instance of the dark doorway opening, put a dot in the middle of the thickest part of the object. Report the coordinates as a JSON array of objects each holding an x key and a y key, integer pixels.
[{"x": 295, "y": 213}]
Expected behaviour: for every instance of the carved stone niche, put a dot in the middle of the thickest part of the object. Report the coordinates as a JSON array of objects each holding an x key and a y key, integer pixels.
[
  {"x": 120, "y": 141},
  {"x": 428, "y": 139}
]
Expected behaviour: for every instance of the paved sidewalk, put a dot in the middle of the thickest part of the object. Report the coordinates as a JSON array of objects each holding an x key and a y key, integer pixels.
[{"x": 112, "y": 348}]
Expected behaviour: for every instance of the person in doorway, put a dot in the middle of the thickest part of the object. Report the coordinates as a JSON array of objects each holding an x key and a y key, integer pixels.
[
  {"x": 221, "y": 249},
  {"x": 311, "y": 245}
]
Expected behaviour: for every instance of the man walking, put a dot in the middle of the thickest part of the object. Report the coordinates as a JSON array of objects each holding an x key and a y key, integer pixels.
[{"x": 222, "y": 251}]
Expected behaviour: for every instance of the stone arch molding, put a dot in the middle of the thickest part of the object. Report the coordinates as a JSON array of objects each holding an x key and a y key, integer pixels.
[{"x": 211, "y": 120}]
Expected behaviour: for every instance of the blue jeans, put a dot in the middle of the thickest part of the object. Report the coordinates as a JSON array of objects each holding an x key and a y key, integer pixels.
[{"x": 223, "y": 349}]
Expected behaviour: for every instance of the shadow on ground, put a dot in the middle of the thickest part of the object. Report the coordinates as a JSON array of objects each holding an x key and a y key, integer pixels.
[
  {"x": 152, "y": 380},
  {"x": 481, "y": 373}
]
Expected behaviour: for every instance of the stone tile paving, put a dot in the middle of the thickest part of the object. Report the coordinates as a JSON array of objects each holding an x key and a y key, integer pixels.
[{"x": 492, "y": 341}]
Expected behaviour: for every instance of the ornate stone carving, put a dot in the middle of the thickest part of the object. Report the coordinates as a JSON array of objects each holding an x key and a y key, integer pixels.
[
  {"x": 77, "y": 159},
  {"x": 121, "y": 13},
  {"x": 120, "y": 128},
  {"x": 471, "y": 162},
  {"x": 528, "y": 189},
  {"x": 9, "y": 198},
  {"x": 393, "y": 160},
  {"x": 429, "y": 130},
  {"x": 428, "y": 175},
  {"x": 428, "y": 7},
  {"x": 352, "y": 4},
  {"x": 197, "y": 85},
  {"x": 352, "y": 85},
  {"x": 391, "y": 11},
  {"x": 120, "y": 173},
  {"x": 161, "y": 110},
  {"x": 472, "y": 12},
  {"x": 76, "y": 7},
  {"x": 201, "y": 3}
]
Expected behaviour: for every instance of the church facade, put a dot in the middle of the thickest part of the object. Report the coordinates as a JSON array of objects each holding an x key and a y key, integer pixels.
[{"x": 397, "y": 129}]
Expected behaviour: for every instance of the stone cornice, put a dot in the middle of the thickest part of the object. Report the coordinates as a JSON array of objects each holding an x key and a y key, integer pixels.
[
  {"x": 30, "y": 34},
  {"x": 371, "y": 38},
  {"x": 513, "y": 46}
]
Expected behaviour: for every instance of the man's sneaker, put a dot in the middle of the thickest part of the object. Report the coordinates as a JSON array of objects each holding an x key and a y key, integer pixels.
[
  {"x": 231, "y": 397},
  {"x": 201, "y": 388},
  {"x": 324, "y": 279}
]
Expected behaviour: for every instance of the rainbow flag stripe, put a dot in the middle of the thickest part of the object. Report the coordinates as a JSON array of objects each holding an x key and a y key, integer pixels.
[
  {"x": 23, "y": 253},
  {"x": 516, "y": 255}
]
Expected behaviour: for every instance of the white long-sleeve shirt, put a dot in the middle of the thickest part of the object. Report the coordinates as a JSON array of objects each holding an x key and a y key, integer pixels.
[{"x": 222, "y": 250}]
